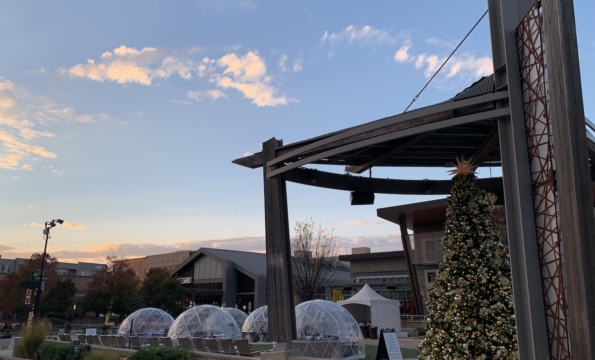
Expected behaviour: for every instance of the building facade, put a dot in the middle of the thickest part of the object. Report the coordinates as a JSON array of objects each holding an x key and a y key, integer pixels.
[
  {"x": 168, "y": 261},
  {"x": 217, "y": 277},
  {"x": 385, "y": 272}
]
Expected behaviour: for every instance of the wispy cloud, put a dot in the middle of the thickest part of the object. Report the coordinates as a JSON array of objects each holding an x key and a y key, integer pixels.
[
  {"x": 21, "y": 115},
  {"x": 33, "y": 224},
  {"x": 442, "y": 43},
  {"x": 182, "y": 102},
  {"x": 212, "y": 95},
  {"x": 248, "y": 153},
  {"x": 98, "y": 252},
  {"x": 5, "y": 247},
  {"x": 245, "y": 73},
  {"x": 366, "y": 223},
  {"x": 284, "y": 66},
  {"x": 364, "y": 35},
  {"x": 70, "y": 225},
  {"x": 129, "y": 65},
  {"x": 465, "y": 66}
]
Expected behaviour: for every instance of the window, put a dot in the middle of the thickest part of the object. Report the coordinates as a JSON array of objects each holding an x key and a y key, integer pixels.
[
  {"x": 3, "y": 268},
  {"x": 207, "y": 268},
  {"x": 431, "y": 277},
  {"x": 433, "y": 250},
  {"x": 98, "y": 267}
]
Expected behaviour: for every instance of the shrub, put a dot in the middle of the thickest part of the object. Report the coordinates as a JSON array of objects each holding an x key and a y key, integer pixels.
[
  {"x": 103, "y": 355},
  {"x": 59, "y": 322},
  {"x": 59, "y": 351},
  {"x": 162, "y": 353},
  {"x": 32, "y": 339}
]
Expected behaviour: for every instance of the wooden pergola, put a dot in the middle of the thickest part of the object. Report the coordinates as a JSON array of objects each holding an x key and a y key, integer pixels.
[{"x": 493, "y": 122}]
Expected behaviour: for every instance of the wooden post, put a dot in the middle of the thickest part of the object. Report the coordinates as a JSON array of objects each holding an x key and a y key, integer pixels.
[
  {"x": 410, "y": 265},
  {"x": 575, "y": 196},
  {"x": 281, "y": 308},
  {"x": 505, "y": 16}
]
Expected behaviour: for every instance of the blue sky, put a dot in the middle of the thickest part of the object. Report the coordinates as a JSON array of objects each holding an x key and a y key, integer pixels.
[{"x": 123, "y": 117}]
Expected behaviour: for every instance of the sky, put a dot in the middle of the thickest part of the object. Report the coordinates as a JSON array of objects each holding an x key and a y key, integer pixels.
[{"x": 122, "y": 118}]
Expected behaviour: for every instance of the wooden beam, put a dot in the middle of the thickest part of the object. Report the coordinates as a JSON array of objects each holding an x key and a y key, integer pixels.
[
  {"x": 392, "y": 136},
  {"x": 361, "y": 168},
  {"x": 278, "y": 254},
  {"x": 253, "y": 161},
  {"x": 410, "y": 119},
  {"x": 347, "y": 182},
  {"x": 573, "y": 177},
  {"x": 486, "y": 148},
  {"x": 410, "y": 265}
]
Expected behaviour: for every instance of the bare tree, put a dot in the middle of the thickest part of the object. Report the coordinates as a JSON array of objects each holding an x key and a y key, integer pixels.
[{"x": 313, "y": 259}]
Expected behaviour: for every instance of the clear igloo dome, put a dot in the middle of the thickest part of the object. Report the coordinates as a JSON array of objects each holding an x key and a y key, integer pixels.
[
  {"x": 238, "y": 315},
  {"x": 204, "y": 321},
  {"x": 146, "y": 322},
  {"x": 327, "y": 330},
  {"x": 256, "y": 325}
]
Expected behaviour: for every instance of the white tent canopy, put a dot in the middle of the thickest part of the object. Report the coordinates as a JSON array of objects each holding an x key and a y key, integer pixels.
[{"x": 381, "y": 312}]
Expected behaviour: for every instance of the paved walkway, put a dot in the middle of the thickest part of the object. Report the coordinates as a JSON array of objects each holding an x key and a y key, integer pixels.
[
  {"x": 7, "y": 352},
  {"x": 408, "y": 343}
]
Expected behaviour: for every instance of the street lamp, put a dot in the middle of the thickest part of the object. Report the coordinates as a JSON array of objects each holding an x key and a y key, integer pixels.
[{"x": 46, "y": 232}]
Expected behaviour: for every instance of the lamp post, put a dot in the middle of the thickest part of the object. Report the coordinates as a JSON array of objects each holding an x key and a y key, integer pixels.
[{"x": 46, "y": 232}]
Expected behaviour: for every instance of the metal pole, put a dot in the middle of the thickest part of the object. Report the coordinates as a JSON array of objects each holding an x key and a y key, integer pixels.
[{"x": 38, "y": 292}]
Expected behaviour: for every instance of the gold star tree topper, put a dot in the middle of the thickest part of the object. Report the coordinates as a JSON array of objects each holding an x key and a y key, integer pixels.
[{"x": 463, "y": 167}]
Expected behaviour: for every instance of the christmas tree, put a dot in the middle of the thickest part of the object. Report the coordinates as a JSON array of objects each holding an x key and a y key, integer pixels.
[{"x": 470, "y": 307}]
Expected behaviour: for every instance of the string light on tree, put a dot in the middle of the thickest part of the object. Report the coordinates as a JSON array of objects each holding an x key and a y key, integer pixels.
[{"x": 470, "y": 307}]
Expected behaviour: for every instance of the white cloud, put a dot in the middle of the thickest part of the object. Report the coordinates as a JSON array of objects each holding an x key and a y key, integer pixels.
[
  {"x": 282, "y": 63},
  {"x": 182, "y": 102},
  {"x": 366, "y": 223},
  {"x": 213, "y": 95},
  {"x": 70, "y": 225},
  {"x": 465, "y": 67},
  {"x": 365, "y": 35},
  {"x": 442, "y": 43},
  {"x": 297, "y": 65},
  {"x": 248, "y": 75},
  {"x": 56, "y": 172},
  {"x": 245, "y": 73},
  {"x": 401, "y": 55},
  {"x": 21, "y": 114},
  {"x": 129, "y": 65},
  {"x": 248, "y": 153},
  {"x": 41, "y": 71}
]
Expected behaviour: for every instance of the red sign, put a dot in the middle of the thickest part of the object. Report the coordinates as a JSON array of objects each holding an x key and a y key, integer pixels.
[
  {"x": 27, "y": 301},
  {"x": 28, "y": 292}
]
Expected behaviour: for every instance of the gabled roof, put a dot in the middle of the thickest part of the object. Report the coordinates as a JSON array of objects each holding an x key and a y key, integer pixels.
[
  {"x": 254, "y": 262},
  {"x": 251, "y": 262}
]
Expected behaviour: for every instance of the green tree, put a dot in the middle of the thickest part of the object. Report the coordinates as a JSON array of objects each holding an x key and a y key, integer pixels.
[
  {"x": 115, "y": 289},
  {"x": 470, "y": 307},
  {"x": 12, "y": 299},
  {"x": 160, "y": 290},
  {"x": 60, "y": 298}
]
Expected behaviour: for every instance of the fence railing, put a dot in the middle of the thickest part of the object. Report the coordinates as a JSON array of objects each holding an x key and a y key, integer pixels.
[{"x": 413, "y": 318}]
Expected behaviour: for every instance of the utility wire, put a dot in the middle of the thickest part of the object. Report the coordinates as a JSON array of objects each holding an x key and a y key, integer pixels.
[{"x": 445, "y": 61}]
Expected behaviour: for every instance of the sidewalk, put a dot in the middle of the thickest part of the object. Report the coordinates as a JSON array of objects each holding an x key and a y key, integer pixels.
[
  {"x": 408, "y": 343},
  {"x": 8, "y": 352}
]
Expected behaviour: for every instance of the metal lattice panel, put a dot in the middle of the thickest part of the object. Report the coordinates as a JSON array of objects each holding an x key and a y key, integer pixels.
[{"x": 541, "y": 160}]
